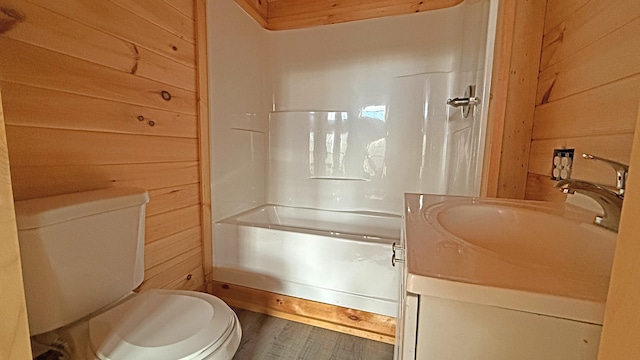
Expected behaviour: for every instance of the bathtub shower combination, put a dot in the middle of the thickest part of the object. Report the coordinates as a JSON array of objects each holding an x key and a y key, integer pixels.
[
  {"x": 313, "y": 149},
  {"x": 335, "y": 257}
]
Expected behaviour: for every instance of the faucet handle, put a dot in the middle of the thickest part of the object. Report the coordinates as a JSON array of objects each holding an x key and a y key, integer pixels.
[{"x": 622, "y": 171}]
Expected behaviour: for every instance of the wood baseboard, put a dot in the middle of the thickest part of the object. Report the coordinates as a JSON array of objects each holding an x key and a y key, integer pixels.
[{"x": 349, "y": 321}]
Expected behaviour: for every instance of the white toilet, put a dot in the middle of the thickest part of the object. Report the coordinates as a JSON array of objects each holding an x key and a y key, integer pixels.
[{"x": 82, "y": 255}]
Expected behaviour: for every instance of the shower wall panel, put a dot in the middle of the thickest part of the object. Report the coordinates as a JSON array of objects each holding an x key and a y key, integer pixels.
[
  {"x": 346, "y": 116},
  {"x": 239, "y": 103}
]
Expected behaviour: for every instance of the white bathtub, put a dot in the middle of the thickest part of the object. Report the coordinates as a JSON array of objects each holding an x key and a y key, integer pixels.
[{"x": 334, "y": 257}]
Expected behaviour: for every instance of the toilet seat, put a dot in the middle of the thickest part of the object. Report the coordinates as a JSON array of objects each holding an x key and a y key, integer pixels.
[{"x": 162, "y": 324}]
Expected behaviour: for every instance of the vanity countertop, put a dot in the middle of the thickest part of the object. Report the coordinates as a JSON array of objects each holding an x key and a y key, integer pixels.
[{"x": 544, "y": 275}]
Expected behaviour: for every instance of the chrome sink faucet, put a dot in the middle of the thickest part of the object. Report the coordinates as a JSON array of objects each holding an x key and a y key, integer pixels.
[{"x": 610, "y": 200}]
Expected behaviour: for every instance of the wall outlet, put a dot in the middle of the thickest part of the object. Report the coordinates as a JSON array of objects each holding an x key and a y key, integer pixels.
[{"x": 562, "y": 164}]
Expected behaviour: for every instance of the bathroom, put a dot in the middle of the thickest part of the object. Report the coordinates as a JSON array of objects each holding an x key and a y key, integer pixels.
[{"x": 123, "y": 132}]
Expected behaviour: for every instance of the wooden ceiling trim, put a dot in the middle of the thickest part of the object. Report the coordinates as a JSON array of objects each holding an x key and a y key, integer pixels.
[
  {"x": 296, "y": 14},
  {"x": 257, "y": 9},
  {"x": 291, "y": 8},
  {"x": 350, "y": 10}
]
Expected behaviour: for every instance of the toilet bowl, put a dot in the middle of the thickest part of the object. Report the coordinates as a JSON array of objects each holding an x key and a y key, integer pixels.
[{"x": 157, "y": 324}]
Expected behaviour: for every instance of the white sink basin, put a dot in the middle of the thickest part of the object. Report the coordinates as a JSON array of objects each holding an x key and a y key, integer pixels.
[
  {"x": 528, "y": 235},
  {"x": 528, "y": 256}
]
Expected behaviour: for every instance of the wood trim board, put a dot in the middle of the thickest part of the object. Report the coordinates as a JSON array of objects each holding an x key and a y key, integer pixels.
[
  {"x": 14, "y": 328},
  {"x": 622, "y": 319},
  {"x": 204, "y": 145},
  {"x": 354, "y": 322},
  {"x": 511, "y": 107},
  {"x": 297, "y": 14}
]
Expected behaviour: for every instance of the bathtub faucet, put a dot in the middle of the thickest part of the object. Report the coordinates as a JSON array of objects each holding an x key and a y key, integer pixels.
[{"x": 610, "y": 200}]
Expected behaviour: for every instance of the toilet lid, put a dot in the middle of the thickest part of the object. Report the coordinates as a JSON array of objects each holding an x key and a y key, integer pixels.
[{"x": 161, "y": 324}]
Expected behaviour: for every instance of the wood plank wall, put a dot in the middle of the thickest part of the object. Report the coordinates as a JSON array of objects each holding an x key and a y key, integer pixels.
[
  {"x": 14, "y": 328},
  {"x": 622, "y": 318},
  {"x": 105, "y": 93},
  {"x": 513, "y": 92},
  {"x": 295, "y": 14},
  {"x": 588, "y": 89}
]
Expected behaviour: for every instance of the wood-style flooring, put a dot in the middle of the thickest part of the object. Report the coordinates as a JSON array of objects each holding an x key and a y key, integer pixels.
[{"x": 268, "y": 338}]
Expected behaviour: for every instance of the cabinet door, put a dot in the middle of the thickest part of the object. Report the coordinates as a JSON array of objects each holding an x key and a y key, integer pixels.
[
  {"x": 14, "y": 329},
  {"x": 454, "y": 330}
]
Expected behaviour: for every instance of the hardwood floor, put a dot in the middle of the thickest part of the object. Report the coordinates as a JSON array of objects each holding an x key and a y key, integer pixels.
[{"x": 268, "y": 338}]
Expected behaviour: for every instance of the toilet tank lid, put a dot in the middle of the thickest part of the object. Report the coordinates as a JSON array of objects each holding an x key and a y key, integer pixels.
[{"x": 37, "y": 213}]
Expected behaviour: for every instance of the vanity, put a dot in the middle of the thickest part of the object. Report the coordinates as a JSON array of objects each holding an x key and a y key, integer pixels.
[{"x": 491, "y": 279}]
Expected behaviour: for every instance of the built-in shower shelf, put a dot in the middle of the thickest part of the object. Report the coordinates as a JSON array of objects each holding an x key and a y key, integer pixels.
[
  {"x": 338, "y": 178},
  {"x": 248, "y": 130}
]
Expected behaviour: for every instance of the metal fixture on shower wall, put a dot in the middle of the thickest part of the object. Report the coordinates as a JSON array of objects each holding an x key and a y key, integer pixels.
[{"x": 467, "y": 102}]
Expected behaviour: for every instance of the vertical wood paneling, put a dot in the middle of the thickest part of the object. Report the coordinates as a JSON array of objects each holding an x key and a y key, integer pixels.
[
  {"x": 86, "y": 111},
  {"x": 511, "y": 108},
  {"x": 14, "y": 328},
  {"x": 491, "y": 165},
  {"x": 257, "y": 9},
  {"x": 204, "y": 146},
  {"x": 588, "y": 90},
  {"x": 622, "y": 318}
]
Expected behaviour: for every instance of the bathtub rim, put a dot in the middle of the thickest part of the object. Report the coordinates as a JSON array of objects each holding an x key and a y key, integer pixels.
[{"x": 233, "y": 219}]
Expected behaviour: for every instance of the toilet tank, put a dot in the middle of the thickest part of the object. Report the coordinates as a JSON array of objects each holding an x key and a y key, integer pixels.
[{"x": 79, "y": 252}]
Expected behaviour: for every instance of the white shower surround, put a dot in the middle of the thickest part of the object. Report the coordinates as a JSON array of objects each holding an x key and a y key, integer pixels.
[{"x": 264, "y": 88}]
